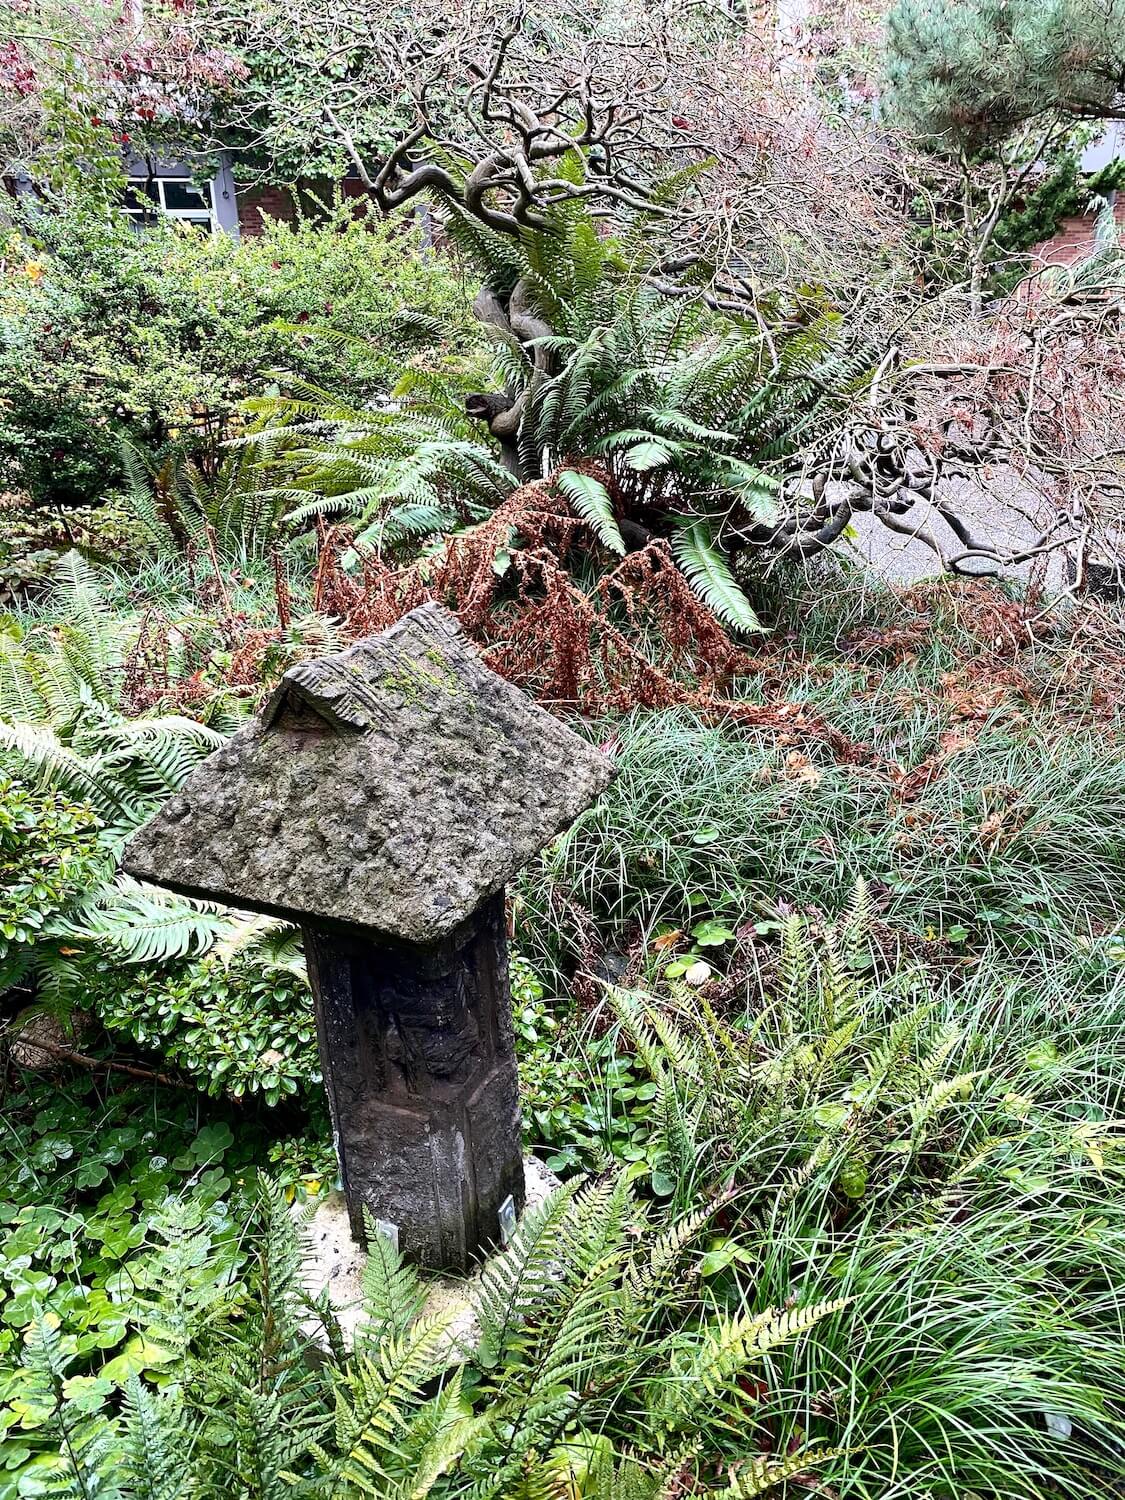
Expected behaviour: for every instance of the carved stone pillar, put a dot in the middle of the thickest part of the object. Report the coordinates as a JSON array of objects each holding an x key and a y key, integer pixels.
[{"x": 420, "y": 1069}]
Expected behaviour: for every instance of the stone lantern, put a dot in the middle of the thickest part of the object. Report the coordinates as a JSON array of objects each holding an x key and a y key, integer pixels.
[{"x": 382, "y": 800}]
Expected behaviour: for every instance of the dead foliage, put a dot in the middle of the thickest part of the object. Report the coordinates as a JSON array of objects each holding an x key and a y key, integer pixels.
[
  {"x": 1016, "y": 655},
  {"x": 635, "y": 637},
  {"x": 149, "y": 678},
  {"x": 595, "y": 635},
  {"x": 1010, "y": 655}
]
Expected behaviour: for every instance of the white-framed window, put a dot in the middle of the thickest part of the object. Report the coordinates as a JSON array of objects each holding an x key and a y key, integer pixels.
[{"x": 175, "y": 197}]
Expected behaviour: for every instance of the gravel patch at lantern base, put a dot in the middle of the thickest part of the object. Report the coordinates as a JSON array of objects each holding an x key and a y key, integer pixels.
[{"x": 334, "y": 1264}]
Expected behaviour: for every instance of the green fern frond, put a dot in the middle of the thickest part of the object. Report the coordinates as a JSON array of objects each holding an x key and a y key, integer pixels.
[
  {"x": 939, "y": 1097},
  {"x": 676, "y": 1125},
  {"x": 140, "y": 501},
  {"x": 591, "y": 500},
  {"x": 649, "y": 455},
  {"x": 711, "y": 578},
  {"x": 727, "y": 1348},
  {"x": 795, "y": 970},
  {"x": 678, "y": 424},
  {"x": 434, "y": 1449},
  {"x": 856, "y": 925},
  {"x": 141, "y": 924},
  {"x": 159, "y": 1436},
  {"x": 38, "y": 753},
  {"x": 940, "y": 1049},
  {"x": 378, "y": 1393},
  {"x": 761, "y": 1475},
  {"x": 762, "y": 1332},
  {"x": 649, "y": 1278},
  {"x": 636, "y": 1021},
  {"x": 519, "y": 1283},
  {"x": 493, "y": 255},
  {"x": 392, "y": 1293},
  {"x": 890, "y": 1055}
]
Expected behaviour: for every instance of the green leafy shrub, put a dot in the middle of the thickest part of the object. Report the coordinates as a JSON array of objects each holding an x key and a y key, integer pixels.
[
  {"x": 237, "y": 1028},
  {"x": 586, "y": 1103},
  {"x": 49, "y": 854},
  {"x": 160, "y": 336},
  {"x": 104, "y": 1194}
]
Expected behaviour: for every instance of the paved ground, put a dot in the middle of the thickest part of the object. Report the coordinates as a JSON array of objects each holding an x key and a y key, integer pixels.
[{"x": 1004, "y": 510}]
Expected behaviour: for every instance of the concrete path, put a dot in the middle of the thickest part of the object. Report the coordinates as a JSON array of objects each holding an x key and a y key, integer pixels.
[{"x": 1001, "y": 508}]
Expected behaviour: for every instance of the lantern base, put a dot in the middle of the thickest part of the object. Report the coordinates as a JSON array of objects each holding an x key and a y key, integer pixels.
[{"x": 334, "y": 1261}]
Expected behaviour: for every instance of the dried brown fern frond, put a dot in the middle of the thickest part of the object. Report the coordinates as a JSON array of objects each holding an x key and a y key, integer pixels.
[{"x": 637, "y": 636}]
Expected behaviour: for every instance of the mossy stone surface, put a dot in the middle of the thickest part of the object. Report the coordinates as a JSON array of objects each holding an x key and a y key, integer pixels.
[{"x": 394, "y": 786}]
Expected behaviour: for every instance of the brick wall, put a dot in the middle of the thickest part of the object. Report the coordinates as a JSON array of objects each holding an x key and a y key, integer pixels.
[
  {"x": 274, "y": 202},
  {"x": 278, "y": 203},
  {"x": 1074, "y": 237}
]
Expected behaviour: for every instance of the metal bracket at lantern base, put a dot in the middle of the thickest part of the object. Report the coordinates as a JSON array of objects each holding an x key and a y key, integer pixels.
[
  {"x": 388, "y": 1230},
  {"x": 507, "y": 1219}
]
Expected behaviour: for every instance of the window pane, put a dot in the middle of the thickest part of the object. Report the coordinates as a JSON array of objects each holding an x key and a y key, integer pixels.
[
  {"x": 185, "y": 195},
  {"x": 141, "y": 197}
]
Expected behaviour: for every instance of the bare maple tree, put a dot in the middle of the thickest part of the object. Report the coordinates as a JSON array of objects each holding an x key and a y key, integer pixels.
[{"x": 672, "y": 115}]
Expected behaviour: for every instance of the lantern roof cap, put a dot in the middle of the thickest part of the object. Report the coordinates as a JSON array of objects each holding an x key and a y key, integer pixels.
[{"x": 392, "y": 786}]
